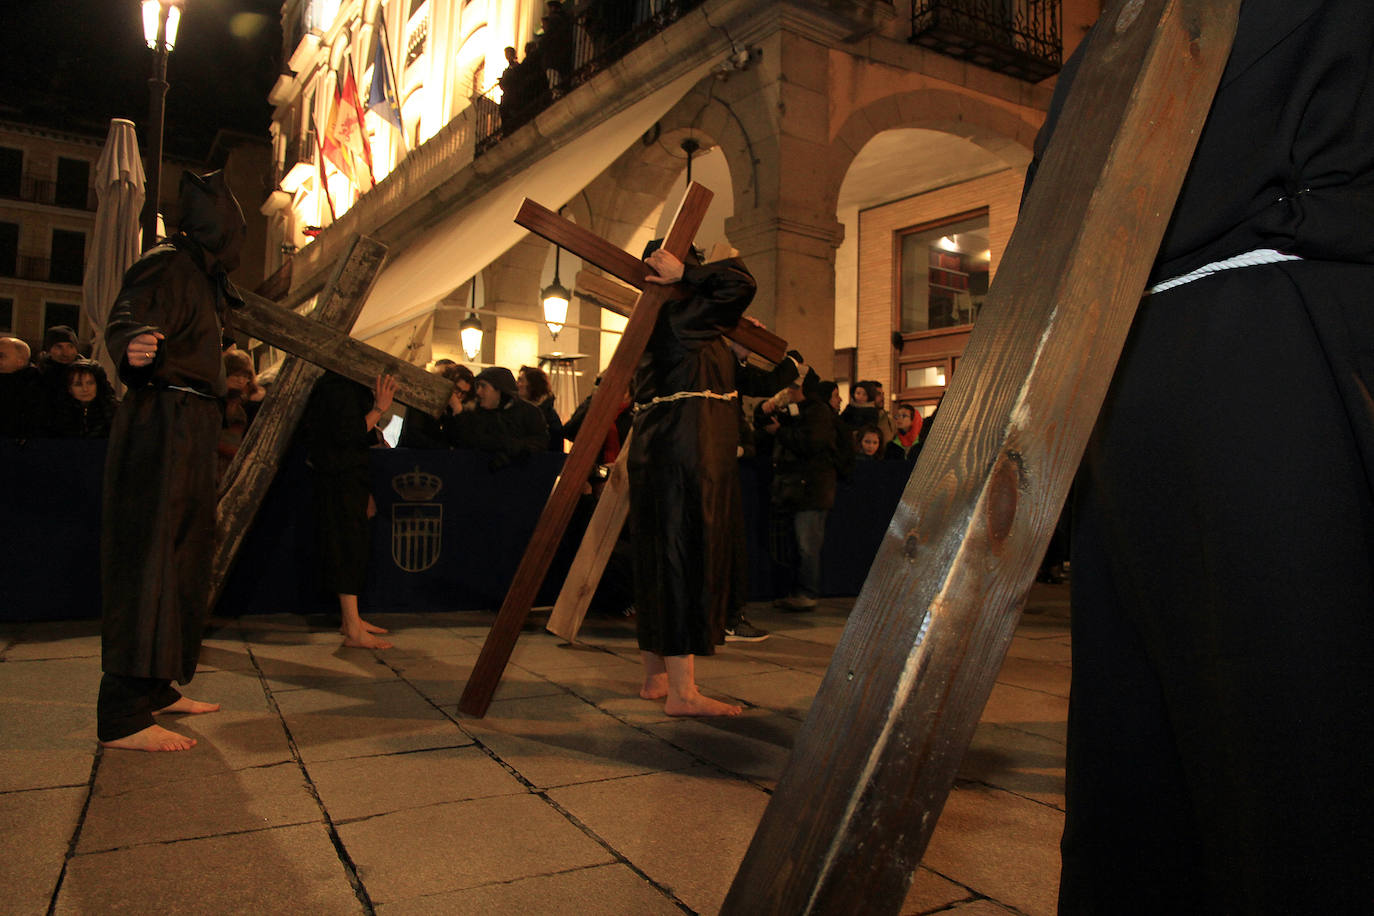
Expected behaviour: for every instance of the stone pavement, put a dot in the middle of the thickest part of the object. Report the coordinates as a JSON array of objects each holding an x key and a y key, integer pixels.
[{"x": 345, "y": 781}]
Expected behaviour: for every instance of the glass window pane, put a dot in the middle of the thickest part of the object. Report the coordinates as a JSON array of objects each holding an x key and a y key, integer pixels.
[
  {"x": 944, "y": 275},
  {"x": 925, "y": 376}
]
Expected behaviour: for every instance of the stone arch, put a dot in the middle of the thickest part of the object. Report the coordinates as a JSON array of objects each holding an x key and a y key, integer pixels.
[{"x": 996, "y": 129}]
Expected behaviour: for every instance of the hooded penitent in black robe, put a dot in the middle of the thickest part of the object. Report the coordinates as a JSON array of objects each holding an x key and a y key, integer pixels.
[
  {"x": 159, "y": 492},
  {"x": 338, "y": 440},
  {"x": 1221, "y": 724},
  {"x": 684, "y": 479}
]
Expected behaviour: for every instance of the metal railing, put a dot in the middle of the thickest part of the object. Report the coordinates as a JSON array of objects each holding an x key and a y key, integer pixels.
[
  {"x": 47, "y": 191},
  {"x": 594, "y": 39},
  {"x": 1020, "y": 38}
]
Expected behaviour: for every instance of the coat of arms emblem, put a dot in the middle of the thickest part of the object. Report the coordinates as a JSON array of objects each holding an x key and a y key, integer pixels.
[{"x": 417, "y": 525}]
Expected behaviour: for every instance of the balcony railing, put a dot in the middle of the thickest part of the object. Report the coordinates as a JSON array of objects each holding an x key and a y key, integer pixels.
[
  {"x": 599, "y": 37},
  {"x": 1020, "y": 38},
  {"x": 47, "y": 191}
]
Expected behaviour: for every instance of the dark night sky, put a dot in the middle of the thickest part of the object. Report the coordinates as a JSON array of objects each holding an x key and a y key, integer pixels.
[{"x": 74, "y": 64}]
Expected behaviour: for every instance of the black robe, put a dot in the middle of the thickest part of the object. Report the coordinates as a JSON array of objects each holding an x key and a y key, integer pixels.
[
  {"x": 338, "y": 440},
  {"x": 685, "y": 505},
  {"x": 1221, "y": 724},
  {"x": 158, "y": 524}
]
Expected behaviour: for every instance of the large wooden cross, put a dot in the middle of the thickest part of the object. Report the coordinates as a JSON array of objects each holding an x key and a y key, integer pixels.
[
  {"x": 874, "y": 762},
  {"x": 615, "y": 380},
  {"x": 317, "y": 343}
]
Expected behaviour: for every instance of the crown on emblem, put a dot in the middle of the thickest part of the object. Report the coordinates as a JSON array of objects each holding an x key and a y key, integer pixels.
[{"x": 416, "y": 485}]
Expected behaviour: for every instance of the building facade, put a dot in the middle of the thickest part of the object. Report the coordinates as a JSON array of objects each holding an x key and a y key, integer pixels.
[{"x": 866, "y": 157}]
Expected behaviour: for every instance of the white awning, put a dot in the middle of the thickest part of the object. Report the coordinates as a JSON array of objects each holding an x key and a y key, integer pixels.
[{"x": 470, "y": 238}]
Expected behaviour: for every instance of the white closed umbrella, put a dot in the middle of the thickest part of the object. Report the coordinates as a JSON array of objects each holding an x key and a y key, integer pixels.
[{"x": 116, "y": 242}]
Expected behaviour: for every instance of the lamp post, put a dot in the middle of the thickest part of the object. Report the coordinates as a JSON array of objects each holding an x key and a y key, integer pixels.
[
  {"x": 470, "y": 331},
  {"x": 160, "y": 20},
  {"x": 555, "y": 297}
]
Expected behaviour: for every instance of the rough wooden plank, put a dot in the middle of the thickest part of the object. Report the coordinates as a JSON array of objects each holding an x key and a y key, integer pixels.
[
  {"x": 603, "y": 531},
  {"x": 621, "y": 264},
  {"x": 323, "y": 346},
  {"x": 264, "y": 444},
  {"x": 605, "y": 292},
  {"x": 606, "y": 400},
  {"x": 875, "y": 759}
]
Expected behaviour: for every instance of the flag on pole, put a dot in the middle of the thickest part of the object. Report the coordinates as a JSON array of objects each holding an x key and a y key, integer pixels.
[
  {"x": 382, "y": 97},
  {"x": 344, "y": 142}
]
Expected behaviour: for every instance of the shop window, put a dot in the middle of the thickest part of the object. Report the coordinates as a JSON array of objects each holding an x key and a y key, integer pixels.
[{"x": 944, "y": 273}]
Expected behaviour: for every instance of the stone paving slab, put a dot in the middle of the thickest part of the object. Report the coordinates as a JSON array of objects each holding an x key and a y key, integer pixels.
[
  {"x": 294, "y": 667},
  {"x": 931, "y": 893},
  {"x": 56, "y": 639},
  {"x": 1005, "y": 846},
  {"x": 441, "y": 680},
  {"x": 560, "y": 740},
  {"x": 754, "y": 745},
  {"x": 1057, "y": 649},
  {"x": 362, "y": 719},
  {"x": 1020, "y": 762},
  {"x": 788, "y": 691},
  {"x": 545, "y": 655},
  {"x": 47, "y": 722},
  {"x": 420, "y": 641},
  {"x": 606, "y": 890},
  {"x": 202, "y": 806},
  {"x": 1035, "y": 675},
  {"x": 37, "y": 827},
  {"x": 424, "y": 851},
  {"x": 361, "y": 787},
  {"x": 646, "y": 818},
  {"x": 616, "y": 680},
  {"x": 1030, "y": 710},
  {"x": 285, "y": 870}
]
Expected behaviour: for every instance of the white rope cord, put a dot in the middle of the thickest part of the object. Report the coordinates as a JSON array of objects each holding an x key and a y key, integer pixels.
[
  {"x": 684, "y": 395},
  {"x": 1248, "y": 259}
]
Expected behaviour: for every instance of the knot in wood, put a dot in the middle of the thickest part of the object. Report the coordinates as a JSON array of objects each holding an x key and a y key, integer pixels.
[{"x": 1004, "y": 495}]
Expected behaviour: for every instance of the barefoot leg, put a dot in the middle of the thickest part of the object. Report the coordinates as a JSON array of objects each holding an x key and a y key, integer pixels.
[
  {"x": 655, "y": 676},
  {"x": 152, "y": 738},
  {"x": 684, "y": 699},
  {"x": 188, "y": 706},
  {"x": 356, "y": 633}
]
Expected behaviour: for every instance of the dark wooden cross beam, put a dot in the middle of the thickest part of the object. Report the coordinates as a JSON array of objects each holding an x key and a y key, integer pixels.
[
  {"x": 327, "y": 343},
  {"x": 615, "y": 380},
  {"x": 877, "y": 755},
  {"x": 624, "y": 266}
]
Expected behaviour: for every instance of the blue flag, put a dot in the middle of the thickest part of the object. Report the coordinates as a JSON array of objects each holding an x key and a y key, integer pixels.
[{"x": 381, "y": 98}]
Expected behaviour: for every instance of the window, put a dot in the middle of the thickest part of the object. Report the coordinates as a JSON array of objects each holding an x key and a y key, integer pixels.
[
  {"x": 9, "y": 249},
  {"x": 944, "y": 273},
  {"x": 68, "y": 256},
  {"x": 55, "y": 313},
  {"x": 11, "y": 171},
  {"x": 6, "y": 314},
  {"x": 73, "y": 183}
]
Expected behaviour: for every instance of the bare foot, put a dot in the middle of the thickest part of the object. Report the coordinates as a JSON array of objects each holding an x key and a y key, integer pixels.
[
  {"x": 655, "y": 686},
  {"x": 152, "y": 738},
  {"x": 188, "y": 706},
  {"x": 365, "y": 640},
  {"x": 699, "y": 705},
  {"x": 367, "y": 628}
]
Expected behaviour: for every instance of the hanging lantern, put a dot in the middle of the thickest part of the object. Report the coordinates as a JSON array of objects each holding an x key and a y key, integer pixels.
[
  {"x": 470, "y": 331},
  {"x": 555, "y": 297}
]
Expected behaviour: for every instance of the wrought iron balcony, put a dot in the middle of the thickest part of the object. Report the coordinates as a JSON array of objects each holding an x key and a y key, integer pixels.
[{"x": 1020, "y": 38}]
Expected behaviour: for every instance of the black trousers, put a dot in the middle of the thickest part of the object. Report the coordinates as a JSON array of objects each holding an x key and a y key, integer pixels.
[
  {"x": 1221, "y": 721},
  {"x": 126, "y": 704}
]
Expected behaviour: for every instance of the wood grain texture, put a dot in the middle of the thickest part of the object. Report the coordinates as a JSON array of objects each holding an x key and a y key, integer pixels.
[
  {"x": 875, "y": 759},
  {"x": 603, "y": 530},
  {"x": 615, "y": 381},
  {"x": 335, "y": 351},
  {"x": 624, "y": 266},
  {"x": 268, "y": 437}
]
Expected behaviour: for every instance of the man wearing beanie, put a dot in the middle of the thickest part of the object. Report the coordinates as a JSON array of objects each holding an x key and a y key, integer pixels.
[{"x": 504, "y": 425}]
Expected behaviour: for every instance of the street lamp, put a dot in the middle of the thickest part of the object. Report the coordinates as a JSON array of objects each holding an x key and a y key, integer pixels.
[
  {"x": 160, "y": 21},
  {"x": 555, "y": 297},
  {"x": 470, "y": 331}
]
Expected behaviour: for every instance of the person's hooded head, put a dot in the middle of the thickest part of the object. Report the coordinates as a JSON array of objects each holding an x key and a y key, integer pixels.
[
  {"x": 59, "y": 342},
  {"x": 495, "y": 386},
  {"x": 212, "y": 218},
  {"x": 828, "y": 393},
  {"x": 87, "y": 382}
]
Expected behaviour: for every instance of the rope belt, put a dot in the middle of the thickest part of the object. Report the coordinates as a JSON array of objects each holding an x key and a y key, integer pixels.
[
  {"x": 1248, "y": 259},
  {"x": 684, "y": 395}
]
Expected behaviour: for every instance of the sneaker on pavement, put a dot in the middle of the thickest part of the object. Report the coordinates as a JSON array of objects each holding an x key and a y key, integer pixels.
[
  {"x": 744, "y": 631},
  {"x": 796, "y": 603}
]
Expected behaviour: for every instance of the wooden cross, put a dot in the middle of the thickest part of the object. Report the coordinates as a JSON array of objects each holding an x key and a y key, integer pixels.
[
  {"x": 605, "y": 403},
  {"x": 321, "y": 341},
  {"x": 877, "y": 755}
]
